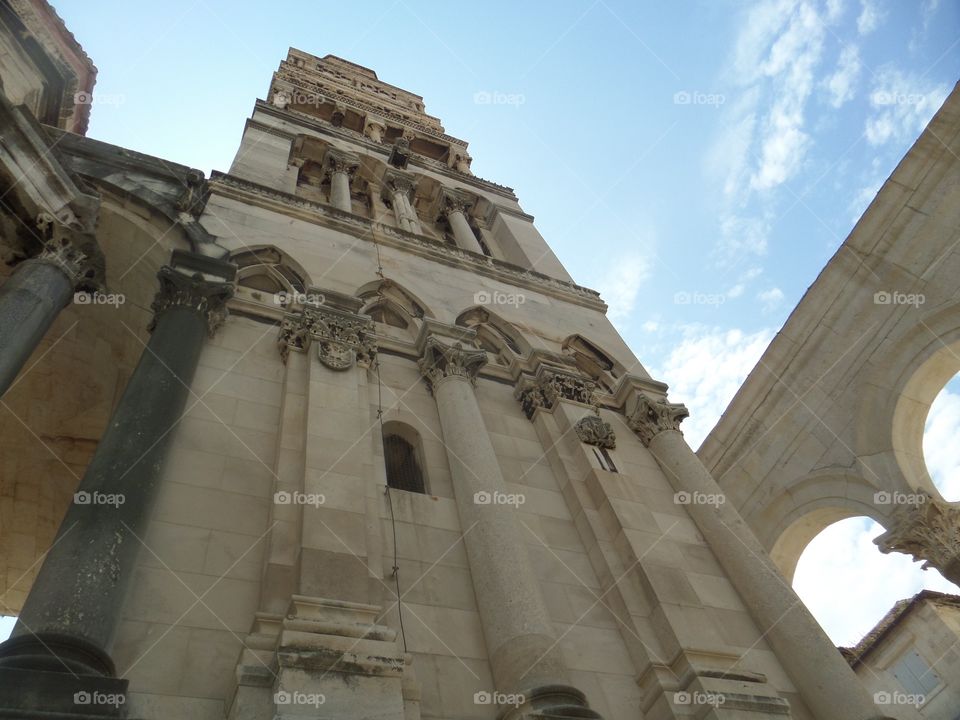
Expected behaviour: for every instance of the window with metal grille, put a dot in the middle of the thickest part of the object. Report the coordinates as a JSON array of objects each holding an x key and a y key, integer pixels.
[{"x": 403, "y": 468}]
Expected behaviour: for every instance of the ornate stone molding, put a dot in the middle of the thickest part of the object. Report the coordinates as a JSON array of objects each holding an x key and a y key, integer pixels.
[
  {"x": 341, "y": 338},
  {"x": 927, "y": 530},
  {"x": 651, "y": 417},
  {"x": 551, "y": 385},
  {"x": 440, "y": 361},
  {"x": 193, "y": 291},
  {"x": 593, "y": 430}
]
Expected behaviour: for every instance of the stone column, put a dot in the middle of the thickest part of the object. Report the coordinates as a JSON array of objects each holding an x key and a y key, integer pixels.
[
  {"x": 454, "y": 207},
  {"x": 73, "y": 609},
  {"x": 34, "y": 295},
  {"x": 523, "y": 653},
  {"x": 929, "y": 530},
  {"x": 397, "y": 189},
  {"x": 824, "y": 679},
  {"x": 341, "y": 166}
]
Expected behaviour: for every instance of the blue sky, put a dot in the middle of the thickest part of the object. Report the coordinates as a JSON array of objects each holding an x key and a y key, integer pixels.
[{"x": 697, "y": 162}]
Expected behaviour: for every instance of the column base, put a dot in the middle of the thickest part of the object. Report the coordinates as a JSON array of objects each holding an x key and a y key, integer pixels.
[
  {"x": 551, "y": 701},
  {"x": 56, "y": 653},
  {"x": 27, "y": 694}
]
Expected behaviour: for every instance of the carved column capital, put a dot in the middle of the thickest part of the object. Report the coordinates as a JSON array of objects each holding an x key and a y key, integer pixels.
[
  {"x": 593, "y": 430},
  {"x": 452, "y": 201},
  {"x": 440, "y": 361},
  {"x": 548, "y": 386},
  {"x": 341, "y": 338},
  {"x": 930, "y": 531},
  {"x": 340, "y": 161},
  {"x": 193, "y": 291},
  {"x": 651, "y": 417},
  {"x": 74, "y": 252},
  {"x": 396, "y": 182}
]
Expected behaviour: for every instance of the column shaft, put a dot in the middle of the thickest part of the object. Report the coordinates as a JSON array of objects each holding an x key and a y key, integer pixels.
[
  {"x": 520, "y": 638},
  {"x": 412, "y": 220},
  {"x": 462, "y": 232},
  {"x": 30, "y": 301},
  {"x": 827, "y": 683},
  {"x": 340, "y": 191},
  {"x": 71, "y": 614}
]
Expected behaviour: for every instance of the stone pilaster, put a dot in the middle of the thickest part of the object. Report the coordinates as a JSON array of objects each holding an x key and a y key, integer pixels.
[
  {"x": 523, "y": 651},
  {"x": 68, "y": 622},
  {"x": 929, "y": 531},
  {"x": 824, "y": 679}
]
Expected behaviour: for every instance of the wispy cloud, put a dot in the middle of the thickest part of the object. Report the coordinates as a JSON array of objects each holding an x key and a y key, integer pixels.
[
  {"x": 871, "y": 15},
  {"x": 841, "y": 84},
  {"x": 770, "y": 299},
  {"x": 621, "y": 284},
  {"x": 902, "y": 104}
]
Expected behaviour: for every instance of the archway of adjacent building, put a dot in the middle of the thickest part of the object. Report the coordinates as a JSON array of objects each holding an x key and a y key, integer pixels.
[
  {"x": 849, "y": 585},
  {"x": 941, "y": 451}
]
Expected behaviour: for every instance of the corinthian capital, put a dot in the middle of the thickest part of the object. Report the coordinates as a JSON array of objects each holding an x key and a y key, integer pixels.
[
  {"x": 341, "y": 338},
  {"x": 928, "y": 529},
  {"x": 341, "y": 161},
  {"x": 548, "y": 386},
  {"x": 441, "y": 361},
  {"x": 453, "y": 201},
  {"x": 651, "y": 417},
  {"x": 399, "y": 182},
  {"x": 194, "y": 291},
  {"x": 76, "y": 253}
]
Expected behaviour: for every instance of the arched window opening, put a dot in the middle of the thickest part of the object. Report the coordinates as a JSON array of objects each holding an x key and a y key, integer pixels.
[
  {"x": 592, "y": 361},
  {"x": 268, "y": 276},
  {"x": 401, "y": 455},
  {"x": 383, "y": 313}
]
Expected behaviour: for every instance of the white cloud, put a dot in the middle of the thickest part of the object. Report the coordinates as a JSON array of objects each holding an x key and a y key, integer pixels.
[
  {"x": 835, "y": 9},
  {"x": 849, "y": 585},
  {"x": 871, "y": 15},
  {"x": 771, "y": 299},
  {"x": 743, "y": 235},
  {"x": 902, "y": 104},
  {"x": 736, "y": 291},
  {"x": 620, "y": 285},
  {"x": 705, "y": 370},
  {"x": 651, "y": 326},
  {"x": 940, "y": 449},
  {"x": 840, "y": 85}
]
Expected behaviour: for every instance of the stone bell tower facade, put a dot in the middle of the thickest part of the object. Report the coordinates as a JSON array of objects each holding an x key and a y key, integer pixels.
[{"x": 416, "y": 473}]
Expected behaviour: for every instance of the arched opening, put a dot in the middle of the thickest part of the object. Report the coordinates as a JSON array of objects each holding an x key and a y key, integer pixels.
[
  {"x": 403, "y": 458},
  {"x": 494, "y": 334},
  {"x": 268, "y": 276},
  {"x": 849, "y": 585},
  {"x": 941, "y": 451},
  {"x": 593, "y": 361}
]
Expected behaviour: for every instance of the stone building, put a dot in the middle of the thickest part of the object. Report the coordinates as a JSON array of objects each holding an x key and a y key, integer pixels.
[
  {"x": 910, "y": 660},
  {"x": 334, "y": 434}
]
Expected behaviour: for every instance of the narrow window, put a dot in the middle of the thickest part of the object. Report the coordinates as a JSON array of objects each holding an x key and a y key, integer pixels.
[
  {"x": 915, "y": 675},
  {"x": 603, "y": 457},
  {"x": 403, "y": 469}
]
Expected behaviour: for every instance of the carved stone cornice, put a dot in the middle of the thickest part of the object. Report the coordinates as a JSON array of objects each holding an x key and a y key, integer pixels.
[
  {"x": 440, "y": 361},
  {"x": 320, "y": 213},
  {"x": 193, "y": 291},
  {"x": 550, "y": 385},
  {"x": 593, "y": 430},
  {"x": 650, "y": 417},
  {"x": 341, "y": 338},
  {"x": 929, "y": 530}
]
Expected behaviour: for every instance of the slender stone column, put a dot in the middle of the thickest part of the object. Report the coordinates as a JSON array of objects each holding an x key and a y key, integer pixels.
[
  {"x": 73, "y": 609},
  {"x": 454, "y": 206},
  {"x": 824, "y": 679},
  {"x": 341, "y": 166},
  {"x": 397, "y": 188},
  {"x": 929, "y": 530},
  {"x": 33, "y": 296},
  {"x": 523, "y": 652}
]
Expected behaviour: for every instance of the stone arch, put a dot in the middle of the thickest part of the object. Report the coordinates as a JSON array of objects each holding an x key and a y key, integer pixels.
[
  {"x": 397, "y": 312},
  {"x": 809, "y": 506},
  {"x": 897, "y": 395},
  {"x": 267, "y": 275},
  {"x": 495, "y": 334},
  {"x": 411, "y": 305},
  {"x": 593, "y": 361}
]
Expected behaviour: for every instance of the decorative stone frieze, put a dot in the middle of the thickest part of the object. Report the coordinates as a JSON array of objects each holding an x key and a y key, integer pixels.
[
  {"x": 550, "y": 385},
  {"x": 341, "y": 338},
  {"x": 651, "y": 417},
  {"x": 194, "y": 291},
  {"x": 440, "y": 361},
  {"x": 927, "y": 530},
  {"x": 593, "y": 430}
]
